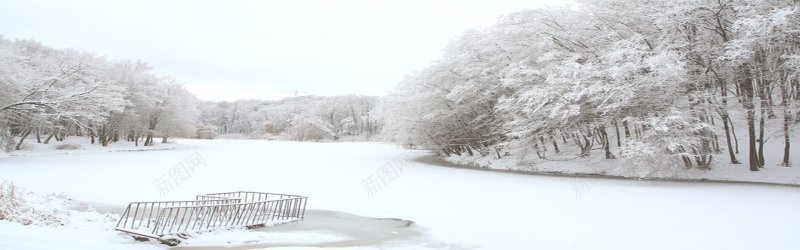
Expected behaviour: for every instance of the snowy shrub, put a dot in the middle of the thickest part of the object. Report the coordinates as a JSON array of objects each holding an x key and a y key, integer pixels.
[
  {"x": 206, "y": 131},
  {"x": 68, "y": 147},
  {"x": 8, "y": 200},
  {"x": 6, "y": 140},
  {"x": 663, "y": 150},
  {"x": 309, "y": 128},
  {"x": 22, "y": 207},
  {"x": 648, "y": 161}
]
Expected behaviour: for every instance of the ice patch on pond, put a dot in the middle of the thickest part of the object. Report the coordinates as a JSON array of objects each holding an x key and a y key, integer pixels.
[
  {"x": 319, "y": 228},
  {"x": 226, "y": 239}
]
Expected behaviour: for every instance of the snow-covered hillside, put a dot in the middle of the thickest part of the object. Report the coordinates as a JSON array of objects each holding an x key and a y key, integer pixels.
[{"x": 347, "y": 183}]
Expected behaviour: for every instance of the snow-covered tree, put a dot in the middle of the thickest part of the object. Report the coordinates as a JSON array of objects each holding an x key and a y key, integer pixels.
[
  {"x": 68, "y": 92},
  {"x": 663, "y": 76}
]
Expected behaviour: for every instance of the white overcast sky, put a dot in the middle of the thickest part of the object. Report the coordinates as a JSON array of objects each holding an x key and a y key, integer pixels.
[{"x": 228, "y": 50}]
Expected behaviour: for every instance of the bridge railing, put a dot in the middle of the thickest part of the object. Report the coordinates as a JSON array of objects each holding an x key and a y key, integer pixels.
[{"x": 209, "y": 212}]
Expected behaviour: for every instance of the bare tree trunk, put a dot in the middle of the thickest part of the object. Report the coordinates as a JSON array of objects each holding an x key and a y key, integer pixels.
[
  {"x": 601, "y": 137},
  {"x": 555, "y": 143},
  {"x": 761, "y": 139},
  {"x": 148, "y": 141},
  {"x": 47, "y": 141},
  {"x": 627, "y": 130},
  {"x": 725, "y": 119},
  {"x": 703, "y": 160},
  {"x": 91, "y": 135},
  {"x": 786, "y": 120},
  {"x": 544, "y": 144},
  {"x": 355, "y": 127},
  {"x": 686, "y": 160},
  {"x": 22, "y": 139},
  {"x": 446, "y": 151},
  {"x": 770, "y": 103},
  {"x": 606, "y": 142},
  {"x": 584, "y": 145},
  {"x": 751, "y": 133},
  {"x": 733, "y": 132},
  {"x": 539, "y": 152},
  {"x": 153, "y": 122},
  {"x": 763, "y": 83},
  {"x": 616, "y": 128},
  {"x": 748, "y": 99},
  {"x": 761, "y": 121},
  {"x": 716, "y": 143},
  {"x": 102, "y": 134}
]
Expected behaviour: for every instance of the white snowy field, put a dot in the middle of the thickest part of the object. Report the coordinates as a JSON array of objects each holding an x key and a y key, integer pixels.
[{"x": 451, "y": 208}]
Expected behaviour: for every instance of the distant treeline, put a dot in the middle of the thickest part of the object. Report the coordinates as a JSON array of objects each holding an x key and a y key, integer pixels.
[{"x": 49, "y": 94}]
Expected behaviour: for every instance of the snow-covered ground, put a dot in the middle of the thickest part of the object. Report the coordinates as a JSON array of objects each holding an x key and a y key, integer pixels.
[
  {"x": 352, "y": 183},
  {"x": 567, "y": 163}
]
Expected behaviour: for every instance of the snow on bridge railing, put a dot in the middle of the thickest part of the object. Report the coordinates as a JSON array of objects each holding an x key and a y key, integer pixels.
[{"x": 167, "y": 220}]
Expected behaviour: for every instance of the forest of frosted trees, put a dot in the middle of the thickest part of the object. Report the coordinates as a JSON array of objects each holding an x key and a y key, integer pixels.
[
  {"x": 687, "y": 83},
  {"x": 666, "y": 80},
  {"x": 49, "y": 94}
]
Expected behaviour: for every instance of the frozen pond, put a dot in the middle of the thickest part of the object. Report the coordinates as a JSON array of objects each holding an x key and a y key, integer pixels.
[{"x": 450, "y": 208}]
